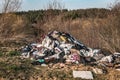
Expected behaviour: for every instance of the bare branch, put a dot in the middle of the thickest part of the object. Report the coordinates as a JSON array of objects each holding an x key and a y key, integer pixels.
[
  {"x": 116, "y": 5},
  {"x": 11, "y": 5},
  {"x": 55, "y": 4}
]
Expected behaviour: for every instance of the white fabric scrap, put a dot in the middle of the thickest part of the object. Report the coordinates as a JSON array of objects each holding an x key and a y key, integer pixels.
[
  {"x": 83, "y": 74},
  {"x": 107, "y": 59}
]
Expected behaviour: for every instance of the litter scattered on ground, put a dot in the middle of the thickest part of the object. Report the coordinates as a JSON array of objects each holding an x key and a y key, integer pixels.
[
  {"x": 83, "y": 74},
  {"x": 61, "y": 47},
  {"x": 44, "y": 65},
  {"x": 98, "y": 71},
  {"x": 118, "y": 69}
]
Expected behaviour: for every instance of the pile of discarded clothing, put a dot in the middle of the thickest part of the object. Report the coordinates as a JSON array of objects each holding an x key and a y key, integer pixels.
[{"x": 64, "y": 48}]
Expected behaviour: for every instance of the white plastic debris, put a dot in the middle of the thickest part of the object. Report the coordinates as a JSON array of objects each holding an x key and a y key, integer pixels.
[
  {"x": 44, "y": 65},
  {"x": 89, "y": 53},
  {"x": 116, "y": 54},
  {"x": 39, "y": 45},
  {"x": 69, "y": 48},
  {"x": 25, "y": 55},
  {"x": 97, "y": 71},
  {"x": 48, "y": 43},
  {"x": 118, "y": 69},
  {"x": 83, "y": 74},
  {"x": 96, "y": 51},
  {"x": 66, "y": 47},
  {"x": 107, "y": 59}
]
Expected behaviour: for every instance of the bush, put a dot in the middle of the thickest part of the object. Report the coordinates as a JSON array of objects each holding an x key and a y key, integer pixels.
[
  {"x": 1, "y": 54},
  {"x": 14, "y": 53}
]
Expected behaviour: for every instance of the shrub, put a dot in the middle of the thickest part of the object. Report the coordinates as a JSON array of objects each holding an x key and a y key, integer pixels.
[
  {"x": 14, "y": 53},
  {"x": 1, "y": 54}
]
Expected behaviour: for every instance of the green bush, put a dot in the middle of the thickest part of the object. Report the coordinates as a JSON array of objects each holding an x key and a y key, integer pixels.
[
  {"x": 1, "y": 53},
  {"x": 15, "y": 67},
  {"x": 14, "y": 53}
]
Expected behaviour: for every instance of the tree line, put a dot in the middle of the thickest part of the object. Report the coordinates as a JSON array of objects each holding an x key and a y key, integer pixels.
[{"x": 33, "y": 15}]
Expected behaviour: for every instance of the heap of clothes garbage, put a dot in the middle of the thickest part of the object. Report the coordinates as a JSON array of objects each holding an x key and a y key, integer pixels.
[{"x": 64, "y": 48}]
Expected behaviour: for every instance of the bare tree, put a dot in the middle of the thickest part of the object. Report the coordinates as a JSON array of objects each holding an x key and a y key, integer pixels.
[
  {"x": 11, "y": 5},
  {"x": 115, "y": 6},
  {"x": 7, "y": 19},
  {"x": 55, "y": 4}
]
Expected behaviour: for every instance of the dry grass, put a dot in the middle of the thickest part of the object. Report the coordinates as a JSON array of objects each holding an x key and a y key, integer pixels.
[
  {"x": 16, "y": 68},
  {"x": 93, "y": 32}
]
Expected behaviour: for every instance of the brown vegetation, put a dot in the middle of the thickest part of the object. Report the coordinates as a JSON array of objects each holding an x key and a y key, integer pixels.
[
  {"x": 96, "y": 28},
  {"x": 95, "y": 32}
]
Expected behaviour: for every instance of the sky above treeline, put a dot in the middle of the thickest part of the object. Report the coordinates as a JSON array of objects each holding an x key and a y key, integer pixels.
[{"x": 68, "y": 4}]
